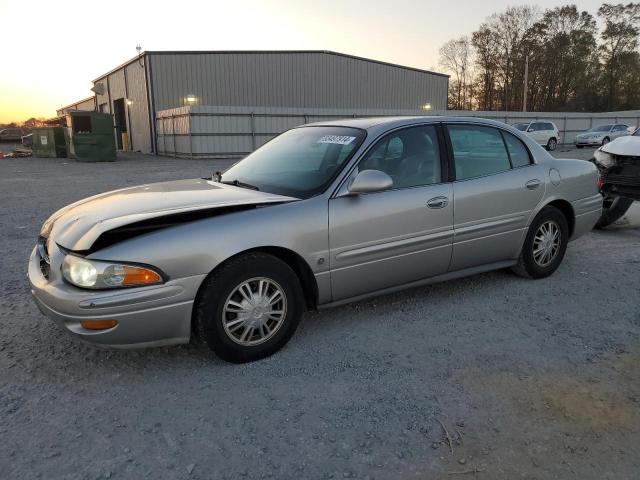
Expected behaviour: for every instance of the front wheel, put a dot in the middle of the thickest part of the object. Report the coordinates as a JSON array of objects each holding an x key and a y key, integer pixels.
[
  {"x": 605, "y": 140},
  {"x": 545, "y": 244},
  {"x": 579, "y": 146},
  {"x": 613, "y": 208},
  {"x": 249, "y": 307},
  {"x": 552, "y": 144}
]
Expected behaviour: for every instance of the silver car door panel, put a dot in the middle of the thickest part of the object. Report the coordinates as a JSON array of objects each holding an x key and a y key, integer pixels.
[
  {"x": 491, "y": 215},
  {"x": 388, "y": 238}
]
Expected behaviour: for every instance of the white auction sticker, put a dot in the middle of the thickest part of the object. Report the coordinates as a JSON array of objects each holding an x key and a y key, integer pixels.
[
  {"x": 43, "y": 139},
  {"x": 337, "y": 139}
]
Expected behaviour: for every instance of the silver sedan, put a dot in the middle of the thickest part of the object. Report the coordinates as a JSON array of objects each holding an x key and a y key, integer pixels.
[
  {"x": 601, "y": 135},
  {"x": 322, "y": 215}
]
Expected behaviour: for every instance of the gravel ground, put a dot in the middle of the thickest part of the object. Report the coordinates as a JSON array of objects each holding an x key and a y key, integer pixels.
[{"x": 531, "y": 379}]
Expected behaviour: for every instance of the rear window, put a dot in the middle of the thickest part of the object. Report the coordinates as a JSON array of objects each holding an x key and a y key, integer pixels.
[
  {"x": 477, "y": 151},
  {"x": 517, "y": 151}
]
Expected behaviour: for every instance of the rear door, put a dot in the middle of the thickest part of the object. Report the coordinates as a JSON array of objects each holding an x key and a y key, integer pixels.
[
  {"x": 619, "y": 131},
  {"x": 389, "y": 238},
  {"x": 538, "y": 132},
  {"x": 496, "y": 188}
]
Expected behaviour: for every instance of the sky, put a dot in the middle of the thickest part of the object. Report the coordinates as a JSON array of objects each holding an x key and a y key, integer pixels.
[{"x": 53, "y": 49}]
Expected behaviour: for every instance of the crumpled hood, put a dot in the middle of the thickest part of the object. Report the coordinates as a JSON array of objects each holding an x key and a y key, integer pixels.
[
  {"x": 627, "y": 146},
  {"x": 77, "y": 226}
]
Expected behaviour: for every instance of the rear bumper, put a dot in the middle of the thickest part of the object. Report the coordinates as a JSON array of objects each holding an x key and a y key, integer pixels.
[
  {"x": 146, "y": 316},
  {"x": 587, "y": 212}
]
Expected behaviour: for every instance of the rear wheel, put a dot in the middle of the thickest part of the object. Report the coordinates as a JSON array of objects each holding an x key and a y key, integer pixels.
[
  {"x": 579, "y": 146},
  {"x": 545, "y": 244},
  {"x": 249, "y": 308},
  {"x": 552, "y": 144},
  {"x": 613, "y": 208}
]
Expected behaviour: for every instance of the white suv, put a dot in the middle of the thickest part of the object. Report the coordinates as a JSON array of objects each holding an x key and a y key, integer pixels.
[{"x": 544, "y": 133}]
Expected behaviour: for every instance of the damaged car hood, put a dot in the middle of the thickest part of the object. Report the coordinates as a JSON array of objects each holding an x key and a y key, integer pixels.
[
  {"x": 77, "y": 226},
  {"x": 628, "y": 146}
]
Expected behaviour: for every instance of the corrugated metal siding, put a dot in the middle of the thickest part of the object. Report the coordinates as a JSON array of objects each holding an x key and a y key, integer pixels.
[
  {"x": 212, "y": 131},
  {"x": 569, "y": 123},
  {"x": 133, "y": 88},
  {"x": 138, "y": 117},
  {"x": 88, "y": 105},
  {"x": 117, "y": 86},
  {"x": 291, "y": 79}
]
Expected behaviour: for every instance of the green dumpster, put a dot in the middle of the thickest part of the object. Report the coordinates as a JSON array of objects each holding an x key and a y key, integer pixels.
[
  {"x": 92, "y": 136},
  {"x": 50, "y": 142}
]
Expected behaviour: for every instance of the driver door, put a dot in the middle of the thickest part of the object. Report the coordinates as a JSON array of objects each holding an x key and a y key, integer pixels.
[{"x": 393, "y": 237}]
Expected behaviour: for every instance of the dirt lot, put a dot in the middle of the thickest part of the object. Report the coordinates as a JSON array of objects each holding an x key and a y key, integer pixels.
[{"x": 531, "y": 379}]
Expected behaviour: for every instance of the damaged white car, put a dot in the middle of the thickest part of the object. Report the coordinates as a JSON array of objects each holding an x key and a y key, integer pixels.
[{"x": 619, "y": 165}]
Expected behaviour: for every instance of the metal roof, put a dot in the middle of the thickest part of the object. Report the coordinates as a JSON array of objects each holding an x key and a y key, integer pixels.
[{"x": 265, "y": 52}]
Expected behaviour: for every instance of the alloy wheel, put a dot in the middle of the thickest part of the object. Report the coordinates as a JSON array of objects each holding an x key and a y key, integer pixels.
[
  {"x": 254, "y": 311},
  {"x": 546, "y": 243}
]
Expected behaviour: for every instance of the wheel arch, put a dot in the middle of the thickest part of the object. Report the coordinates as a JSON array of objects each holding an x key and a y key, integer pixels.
[
  {"x": 300, "y": 267},
  {"x": 567, "y": 210}
]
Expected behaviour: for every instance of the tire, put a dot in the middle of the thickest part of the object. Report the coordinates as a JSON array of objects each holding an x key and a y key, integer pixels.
[
  {"x": 579, "y": 146},
  {"x": 223, "y": 329},
  {"x": 613, "y": 209},
  {"x": 529, "y": 264},
  {"x": 605, "y": 140},
  {"x": 552, "y": 144}
]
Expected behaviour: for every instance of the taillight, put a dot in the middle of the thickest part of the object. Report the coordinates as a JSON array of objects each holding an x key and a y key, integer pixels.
[{"x": 600, "y": 183}]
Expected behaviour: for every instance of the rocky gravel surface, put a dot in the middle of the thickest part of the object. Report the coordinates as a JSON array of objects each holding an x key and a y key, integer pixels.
[{"x": 488, "y": 377}]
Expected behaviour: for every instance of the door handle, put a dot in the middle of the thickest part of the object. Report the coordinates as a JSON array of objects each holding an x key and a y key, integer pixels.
[
  {"x": 438, "y": 202},
  {"x": 532, "y": 184}
]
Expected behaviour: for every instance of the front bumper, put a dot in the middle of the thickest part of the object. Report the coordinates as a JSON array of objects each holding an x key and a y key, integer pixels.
[
  {"x": 588, "y": 141},
  {"x": 147, "y": 316}
]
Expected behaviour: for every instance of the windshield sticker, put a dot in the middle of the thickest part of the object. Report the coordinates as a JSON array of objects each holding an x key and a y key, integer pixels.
[{"x": 337, "y": 139}]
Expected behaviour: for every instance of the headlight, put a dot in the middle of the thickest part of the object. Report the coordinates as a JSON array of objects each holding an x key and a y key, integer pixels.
[
  {"x": 85, "y": 273},
  {"x": 604, "y": 159}
]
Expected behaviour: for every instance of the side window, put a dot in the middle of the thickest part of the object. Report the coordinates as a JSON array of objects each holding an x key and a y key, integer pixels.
[
  {"x": 548, "y": 126},
  {"x": 411, "y": 157},
  {"x": 518, "y": 152},
  {"x": 477, "y": 151},
  {"x": 619, "y": 128}
]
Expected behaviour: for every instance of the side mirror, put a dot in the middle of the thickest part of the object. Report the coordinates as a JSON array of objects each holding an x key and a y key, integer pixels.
[
  {"x": 368, "y": 181},
  {"x": 530, "y": 129}
]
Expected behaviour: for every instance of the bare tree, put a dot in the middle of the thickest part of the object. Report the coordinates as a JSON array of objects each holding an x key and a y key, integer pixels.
[{"x": 455, "y": 57}]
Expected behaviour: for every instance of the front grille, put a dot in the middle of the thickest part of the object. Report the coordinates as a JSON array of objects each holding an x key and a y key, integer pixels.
[
  {"x": 621, "y": 179},
  {"x": 43, "y": 253}
]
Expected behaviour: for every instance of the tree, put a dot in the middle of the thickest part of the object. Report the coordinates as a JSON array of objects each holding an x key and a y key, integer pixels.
[
  {"x": 455, "y": 56},
  {"x": 486, "y": 59},
  {"x": 619, "y": 44}
]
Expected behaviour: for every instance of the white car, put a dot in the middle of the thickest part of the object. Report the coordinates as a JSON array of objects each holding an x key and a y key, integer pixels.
[{"x": 543, "y": 133}]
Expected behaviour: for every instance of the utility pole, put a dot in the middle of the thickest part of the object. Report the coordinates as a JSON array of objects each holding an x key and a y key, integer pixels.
[{"x": 526, "y": 81}]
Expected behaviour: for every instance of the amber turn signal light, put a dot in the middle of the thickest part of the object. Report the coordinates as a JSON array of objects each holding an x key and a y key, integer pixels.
[
  {"x": 98, "y": 324},
  {"x": 139, "y": 276}
]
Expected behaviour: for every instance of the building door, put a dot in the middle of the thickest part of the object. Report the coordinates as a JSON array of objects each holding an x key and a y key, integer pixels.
[{"x": 120, "y": 119}]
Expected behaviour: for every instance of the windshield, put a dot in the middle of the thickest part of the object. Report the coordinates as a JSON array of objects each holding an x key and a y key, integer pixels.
[
  {"x": 521, "y": 126},
  {"x": 600, "y": 128},
  {"x": 637, "y": 133},
  {"x": 299, "y": 163}
]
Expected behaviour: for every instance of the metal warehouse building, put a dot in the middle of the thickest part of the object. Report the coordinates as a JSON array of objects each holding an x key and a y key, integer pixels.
[{"x": 205, "y": 103}]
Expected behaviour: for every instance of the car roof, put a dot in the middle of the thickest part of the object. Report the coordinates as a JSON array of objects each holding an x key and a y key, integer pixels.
[{"x": 388, "y": 123}]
